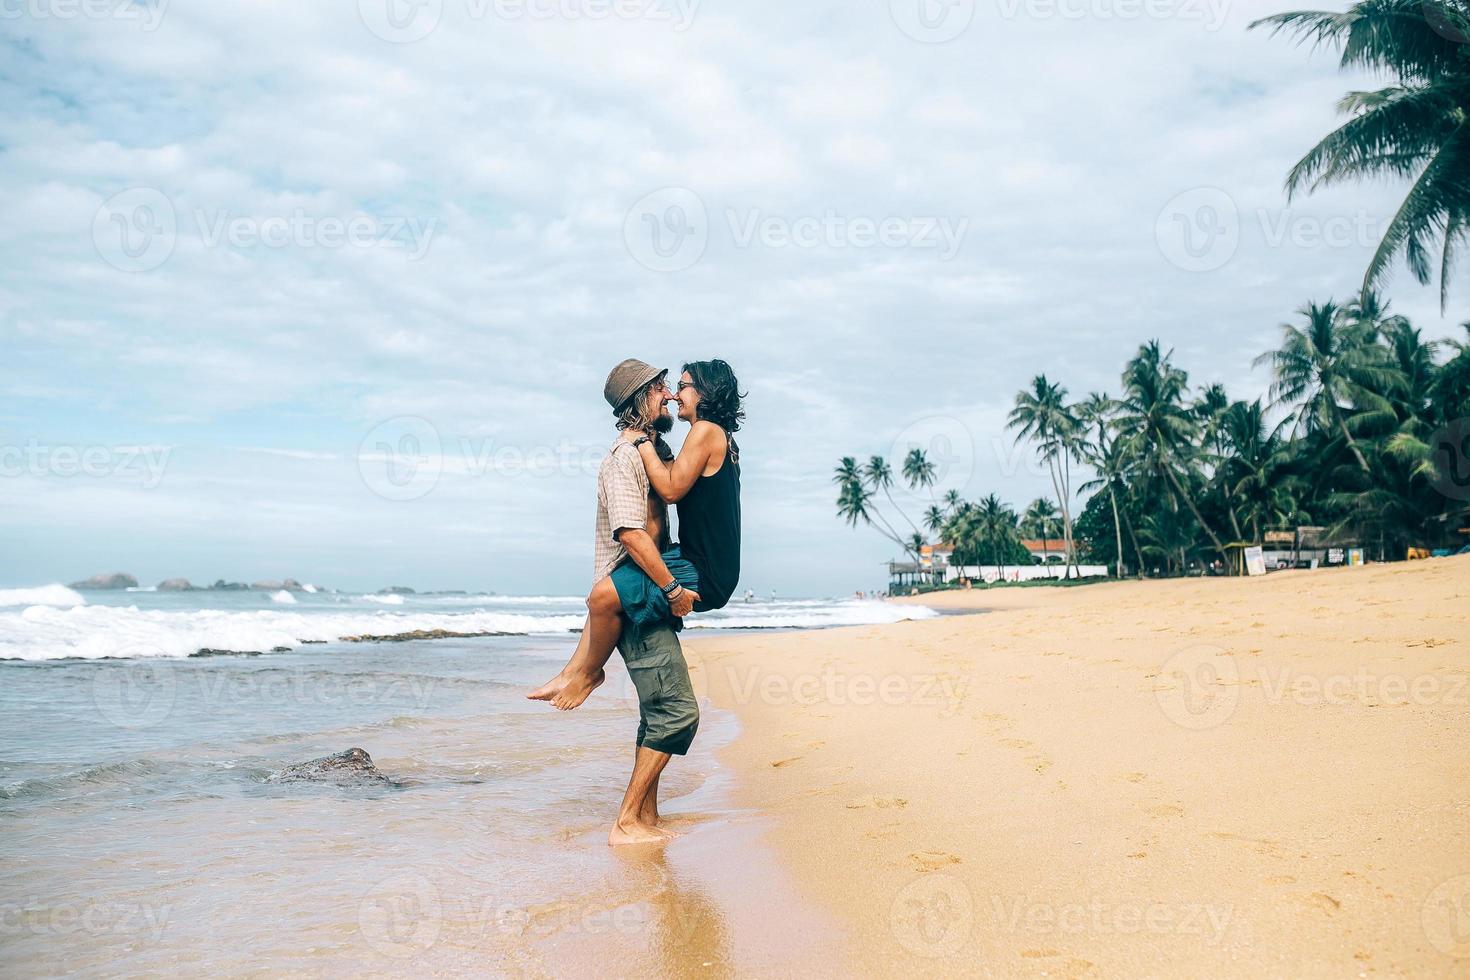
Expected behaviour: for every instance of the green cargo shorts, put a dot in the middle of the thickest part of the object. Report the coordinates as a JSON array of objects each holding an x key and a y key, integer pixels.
[{"x": 668, "y": 714}]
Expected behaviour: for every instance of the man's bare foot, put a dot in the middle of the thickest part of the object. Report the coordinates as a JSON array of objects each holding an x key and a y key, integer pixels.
[
  {"x": 550, "y": 689},
  {"x": 576, "y": 689},
  {"x": 635, "y": 833}
]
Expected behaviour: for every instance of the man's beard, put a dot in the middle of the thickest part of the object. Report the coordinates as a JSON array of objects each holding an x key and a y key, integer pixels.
[{"x": 664, "y": 423}]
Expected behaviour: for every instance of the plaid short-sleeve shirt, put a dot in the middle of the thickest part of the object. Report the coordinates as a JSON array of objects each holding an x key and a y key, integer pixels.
[{"x": 622, "y": 501}]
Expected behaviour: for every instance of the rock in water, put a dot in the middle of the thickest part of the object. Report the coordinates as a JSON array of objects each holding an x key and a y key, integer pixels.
[
  {"x": 351, "y": 768},
  {"x": 117, "y": 580},
  {"x": 175, "y": 585}
]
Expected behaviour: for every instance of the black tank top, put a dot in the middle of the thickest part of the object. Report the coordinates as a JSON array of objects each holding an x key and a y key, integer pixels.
[{"x": 709, "y": 530}]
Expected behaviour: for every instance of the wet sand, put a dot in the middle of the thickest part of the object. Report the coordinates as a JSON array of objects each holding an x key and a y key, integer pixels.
[{"x": 1224, "y": 777}]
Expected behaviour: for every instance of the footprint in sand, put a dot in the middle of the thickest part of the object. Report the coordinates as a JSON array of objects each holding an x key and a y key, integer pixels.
[
  {"x": 1135, "y": 777},
  {"x": 881, "y": 802},
  {"x": 1321, "y": 901},
  {"x": 1015, "y": 743},
  {"x": 1139, "y": 855},
  {"x": 1164, "y": 810},
  {"x": 932, "y": 860},
  {"x": 778, "y": 763},
  {"x": 1281, "y": 880}
]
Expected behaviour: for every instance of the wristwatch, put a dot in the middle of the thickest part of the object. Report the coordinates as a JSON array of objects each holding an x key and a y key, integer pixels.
[{"x": 640, "y": 441}]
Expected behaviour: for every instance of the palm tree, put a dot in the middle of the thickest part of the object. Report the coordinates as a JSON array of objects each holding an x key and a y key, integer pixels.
[
  {"x": 1415, "y": 129},
  {"x": 1327, "y": 361},
  {"x": 918, "y": 471},
  {"x": 997, "y": 524},
  {"x": 934, "y": 519},
  {"x": 855, "y": 503},
  {"x": 1161, "y": 431},
  {"x": 880, "y": 476},
  {"x": 1095, "y": 414},
  {"x": 1041, "y": 415}
]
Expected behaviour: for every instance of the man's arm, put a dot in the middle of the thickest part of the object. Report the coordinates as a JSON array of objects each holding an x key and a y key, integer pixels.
[
  {"x": 643, "y": 550},
  {"x": 672, "y": 481}
]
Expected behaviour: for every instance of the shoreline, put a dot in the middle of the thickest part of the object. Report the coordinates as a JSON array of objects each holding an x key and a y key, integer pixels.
[{"x": 1222, "y": 777}]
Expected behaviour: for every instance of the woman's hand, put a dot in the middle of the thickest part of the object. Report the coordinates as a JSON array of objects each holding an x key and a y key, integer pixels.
[{"x": 681, "y": 603}]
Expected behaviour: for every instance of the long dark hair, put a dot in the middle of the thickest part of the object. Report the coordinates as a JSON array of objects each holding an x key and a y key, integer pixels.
[{"x": 719, "y": 393}]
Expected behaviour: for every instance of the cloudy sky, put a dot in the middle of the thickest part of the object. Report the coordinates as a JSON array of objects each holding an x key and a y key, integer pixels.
[{"x": 329, "y": 289}]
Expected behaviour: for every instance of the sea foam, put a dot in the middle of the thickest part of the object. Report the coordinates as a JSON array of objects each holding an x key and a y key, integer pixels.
[{"x": 45, "y": 595}]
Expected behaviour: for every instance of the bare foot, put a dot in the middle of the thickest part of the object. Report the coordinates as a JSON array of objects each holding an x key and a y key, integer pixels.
[
  {"x": 576, "y": 689},
  {"x": 550, "y": 689},
  {"x": 635, "y": 833}
]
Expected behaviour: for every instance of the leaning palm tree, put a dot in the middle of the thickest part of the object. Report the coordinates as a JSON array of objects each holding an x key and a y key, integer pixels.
[
  {"x": 1415, "y": 129},
  {"x": 880, "y": 476},
  {"x": 1328, "y": 361},
  {"x": 855, "y": 503}
]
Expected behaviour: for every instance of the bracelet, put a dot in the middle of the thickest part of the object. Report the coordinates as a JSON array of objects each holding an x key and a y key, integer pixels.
[{"x": 671, "y": 590}]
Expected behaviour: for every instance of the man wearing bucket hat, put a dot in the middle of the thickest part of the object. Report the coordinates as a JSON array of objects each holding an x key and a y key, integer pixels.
[{"x": 642, "y": 589}]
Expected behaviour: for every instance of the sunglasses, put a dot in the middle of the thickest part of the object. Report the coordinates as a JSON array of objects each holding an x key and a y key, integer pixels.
[{"x": 682, "y": 385}]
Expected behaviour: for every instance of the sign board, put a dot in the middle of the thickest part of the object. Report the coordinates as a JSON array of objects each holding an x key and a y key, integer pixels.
[
  {"x": 1335, "y": 556},
  {"x": 1355, "y": 556},
  {"x": 1255, "y": 561},
  {"x": 1277, "y": 537}
]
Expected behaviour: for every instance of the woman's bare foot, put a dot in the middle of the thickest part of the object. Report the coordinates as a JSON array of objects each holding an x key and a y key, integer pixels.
[
  {"x": 551, "y": 688},
  {"x": 576, "y": 689},
  {"x": 635, "y": 833}
]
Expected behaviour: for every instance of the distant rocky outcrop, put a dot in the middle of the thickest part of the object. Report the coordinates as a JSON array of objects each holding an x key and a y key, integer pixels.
[
  {"x": 117, "y": 580},
  {"x": 177, "y": 585},
  {"x": 351, "y": 768},
  {"x": 396, "y": 590},
  {"x": 271, "y": 585},
  {"x": 221, "y": 585}
]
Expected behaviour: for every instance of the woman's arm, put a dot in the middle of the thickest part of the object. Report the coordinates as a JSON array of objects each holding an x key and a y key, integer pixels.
[{"x": 672, "y": 481}]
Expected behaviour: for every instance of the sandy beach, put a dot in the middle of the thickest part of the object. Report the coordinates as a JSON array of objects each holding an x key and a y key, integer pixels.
[{"x": 1223, "y": 777}]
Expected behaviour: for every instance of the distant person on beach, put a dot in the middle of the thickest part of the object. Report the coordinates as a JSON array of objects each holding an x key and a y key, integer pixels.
[{"x": 643, "y": 587}]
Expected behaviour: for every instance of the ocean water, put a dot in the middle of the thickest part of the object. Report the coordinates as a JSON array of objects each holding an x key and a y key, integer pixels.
[{"x": 144, "y": 831}]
